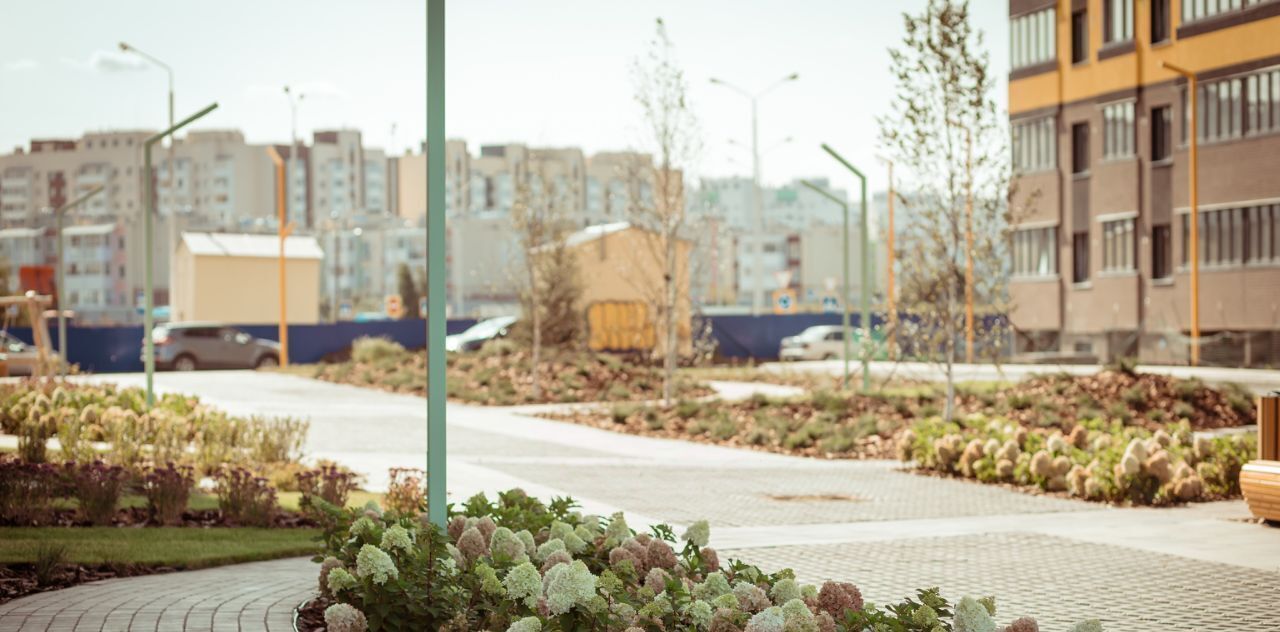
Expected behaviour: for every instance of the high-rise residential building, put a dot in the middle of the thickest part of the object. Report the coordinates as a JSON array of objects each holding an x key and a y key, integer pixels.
[{"x": 1101, "y": 155}]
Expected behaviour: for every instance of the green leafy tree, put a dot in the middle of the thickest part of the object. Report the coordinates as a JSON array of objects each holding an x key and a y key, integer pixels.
[
  {"x": 408, "y": 292},
  {"x": 944, "y": 131}
]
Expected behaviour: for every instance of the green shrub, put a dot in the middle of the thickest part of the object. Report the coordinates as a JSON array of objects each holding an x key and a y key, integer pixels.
[
  {"x": 687, "y": 408},
  {"x": 367, "y": 349}
]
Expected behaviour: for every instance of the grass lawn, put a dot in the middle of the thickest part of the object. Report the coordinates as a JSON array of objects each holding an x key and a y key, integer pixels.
[{"x": 160, "y": 546}]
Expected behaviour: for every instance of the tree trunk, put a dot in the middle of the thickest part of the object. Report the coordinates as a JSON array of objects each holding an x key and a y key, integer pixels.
[
  {"x": 669, "y": 368},
  {"x": 536, "y": 316}
]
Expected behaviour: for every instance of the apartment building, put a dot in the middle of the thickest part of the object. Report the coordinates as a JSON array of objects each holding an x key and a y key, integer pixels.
[
  {"x": 1100, "y": 136},
  {"x": 97, "y": 285}
]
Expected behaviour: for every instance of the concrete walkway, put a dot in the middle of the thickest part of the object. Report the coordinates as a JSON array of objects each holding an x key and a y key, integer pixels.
[
  {"x": 1194, "y": 568},
  {"x": 1260, "y": 381}
]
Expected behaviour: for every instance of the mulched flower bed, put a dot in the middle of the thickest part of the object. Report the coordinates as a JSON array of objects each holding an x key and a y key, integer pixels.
[
  {"x": 20, "y": 580},
  {"x": 309, "y": 616},
  {"x": 825, "y": 424},
  {"x": 140, "y": 517}
]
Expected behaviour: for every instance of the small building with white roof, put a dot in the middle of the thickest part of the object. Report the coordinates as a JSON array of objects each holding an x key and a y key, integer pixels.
[{"x": 235, "y": 278}]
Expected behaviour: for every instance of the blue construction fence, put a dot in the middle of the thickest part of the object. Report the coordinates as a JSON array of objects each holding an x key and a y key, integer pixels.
[{"x": 118, "y": 349}]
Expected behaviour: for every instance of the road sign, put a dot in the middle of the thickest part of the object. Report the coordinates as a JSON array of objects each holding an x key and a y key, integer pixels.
[
  {"x": 830, "y": 304},
  {"x": 395, "y": 306},
  {"x": 784, "y": 301}
]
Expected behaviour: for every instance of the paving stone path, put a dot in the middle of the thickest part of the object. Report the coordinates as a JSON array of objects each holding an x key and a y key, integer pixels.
[{"x": 1192, "y": 568}]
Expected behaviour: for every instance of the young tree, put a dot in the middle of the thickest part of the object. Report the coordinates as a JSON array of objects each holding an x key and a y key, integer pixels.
[
  {"x": 671, "y": 131},
  {"x": 551, "y": 286},
  {"x": 408, "y": 289},
  {"x": 944, "y": 131}
]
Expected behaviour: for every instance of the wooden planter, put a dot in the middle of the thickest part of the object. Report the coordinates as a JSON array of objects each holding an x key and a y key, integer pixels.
[{"x": 1260, "y": 479}]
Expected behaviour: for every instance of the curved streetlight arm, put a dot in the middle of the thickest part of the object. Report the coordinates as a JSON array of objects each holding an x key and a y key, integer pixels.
[
  {"x": 825, "y": 193},
  {"x": 743, "y": 92}
]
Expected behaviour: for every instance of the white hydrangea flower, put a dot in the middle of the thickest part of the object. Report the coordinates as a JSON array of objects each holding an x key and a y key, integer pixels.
[
  {"x": 397, "y": 537},
  {"x": 363, "y": 528},
  {"x": 527, "y": 624},
  {"x": 524, "y": 583},
  {"x": 714, "y": 585},
  {"x": 617, "y": 529},
  {"x": 785, "y": 590},
  {"x": 699, "y": 613},
  {"x": 972, "y": 616},
  {"x": 373, "y": 563},
  {"x": 770, "y": 619},
  {"x": 341, "y": 617},
  {"x": 549, "y": 547},
  {"x": 340, "y": 579},
  {"x": 568, "y": 585},
  {"x": 698, "y": 533}
]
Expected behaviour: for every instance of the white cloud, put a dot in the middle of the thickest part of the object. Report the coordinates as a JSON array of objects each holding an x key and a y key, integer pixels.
[
  {"x": 108, "y": 61},
  {"x": 20, "y": 65}
]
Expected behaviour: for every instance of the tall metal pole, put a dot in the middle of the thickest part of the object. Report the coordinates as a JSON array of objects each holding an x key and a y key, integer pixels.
[
  {"x": 893, "y": 308},
  {"x": 284, "y": 229},
  {"x": 1193, "y": 215},
  {"x": 172, "y": 224},
  {"x": 864, "y": 318},
  {"x": 58, "y": 215},
  {"x": 436, "y": 510},
  {"x": 968, "y": 247},
  {"x": 757, "y": 219},
  {"x": 149, "y": 189},
  {"x": 844, "y": 280}
]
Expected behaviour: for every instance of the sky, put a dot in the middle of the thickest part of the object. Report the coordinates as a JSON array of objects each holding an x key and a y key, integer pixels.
[{"x": 544, "y": 72}]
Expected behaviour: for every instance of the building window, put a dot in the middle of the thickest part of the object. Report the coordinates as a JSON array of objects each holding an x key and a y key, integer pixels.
[
  {"x": 1117, "y": 21},
  {"x": 1117, "y": 246},
  {"x": 1080, "y": 257},
  {"x": 1236, "y": 106},
  {"x": 1161, "y": 134},
  {"x": 1117, "y": 131},
  {"x": 1235, "y": 235},
  {"x": 1035, "y": 252},
  {"x": 1080, "y": 148},
  {"x": 1159, "y": 21},
  {"x": 1079, "y": 37},
  {"x": 1035, "y": 145},
  {"x": 1161, "y": 256},
  {"x": 1031, "y": 38},
  {"x": 1199, "y": 9}
]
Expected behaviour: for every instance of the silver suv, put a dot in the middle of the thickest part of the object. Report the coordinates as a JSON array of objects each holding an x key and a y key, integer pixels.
[{"x": 192, "y": 346}]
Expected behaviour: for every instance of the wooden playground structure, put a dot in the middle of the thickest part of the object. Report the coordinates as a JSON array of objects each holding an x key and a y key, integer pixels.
[
  {"x": 1260, "y": 478},
  {"x": 45, "y": 361}
]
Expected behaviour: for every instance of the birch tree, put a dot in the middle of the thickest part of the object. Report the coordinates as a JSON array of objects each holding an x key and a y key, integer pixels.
[{"x": 944, "y": 131}]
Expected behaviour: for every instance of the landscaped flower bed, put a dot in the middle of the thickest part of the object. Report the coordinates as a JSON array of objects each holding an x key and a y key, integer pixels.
[
  {"x": 499, "y": 375},
  {"x": 1097, "y": 460},
  {"x": 827, "y": 424},
  {"x": 522, "y": 566}
]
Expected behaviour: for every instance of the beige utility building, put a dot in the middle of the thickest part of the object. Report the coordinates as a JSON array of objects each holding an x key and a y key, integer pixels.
[
  {"x": 234, "y": 278},
  {"x": 620, "y": 267}
]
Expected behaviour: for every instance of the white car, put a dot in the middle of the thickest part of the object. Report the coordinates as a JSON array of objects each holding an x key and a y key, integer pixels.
[
  {"x": 820, "y": 342},
  {"x": 478, "y": 334}
]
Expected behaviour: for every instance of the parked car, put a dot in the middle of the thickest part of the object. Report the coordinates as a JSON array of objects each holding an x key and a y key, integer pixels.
[
  {"x": 480, "y": 333},
  {"x": 21, "y": 357},
  {"x": 192, "y": 346},
  {"x": 820, "y": 342}
]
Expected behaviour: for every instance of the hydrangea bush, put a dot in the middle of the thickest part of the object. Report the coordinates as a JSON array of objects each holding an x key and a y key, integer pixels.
[
  {"x": 1097, "y": 460},
  {"x": 520, "y": 565}
]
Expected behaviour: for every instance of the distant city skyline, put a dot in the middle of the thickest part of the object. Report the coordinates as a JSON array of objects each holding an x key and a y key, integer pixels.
[{"x": 547, "y": 73}]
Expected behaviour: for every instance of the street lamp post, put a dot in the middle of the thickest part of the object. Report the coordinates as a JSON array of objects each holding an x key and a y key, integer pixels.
[
  {"x": 1194, "y": 255},
  {"x": 436, "y": 509},
  {"x": 757, "y": 295},
  {"x": 284, "y": 227},
  {"x": 864, "y": 318},
  {"x": 58, "y": 215},
  {"x": 173, "y": 218},
  {"x": 844, "y": 279},
  {"x": 149, "y": 189},
  {"x": 892, "y": 306},
  {"x": 294, "y": 100}
]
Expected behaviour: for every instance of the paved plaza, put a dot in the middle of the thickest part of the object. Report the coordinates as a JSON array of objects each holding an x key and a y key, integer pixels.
[{"x": 1202, "y": 567}]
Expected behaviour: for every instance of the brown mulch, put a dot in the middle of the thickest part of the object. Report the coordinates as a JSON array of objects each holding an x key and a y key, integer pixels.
[
  {"x": 19, "y": 580},
  {"x": 503, "y": 378},
  {"x": 310, "y": 615},
  {"x": 862, "y": 426}
]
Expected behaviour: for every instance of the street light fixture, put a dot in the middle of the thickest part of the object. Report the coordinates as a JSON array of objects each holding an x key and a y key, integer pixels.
[
  {"x": 844, "y": 278},
  {"x": 1194, "y": 255},
  {"x": 295, "y": 98},
  {"x": 864, "y": 319},
  {"x": 149, "y": 189},
  {"x": 127, "y": 48},
  {"x": 757, "y": 300},
  {"x": 58, "y": 215}
]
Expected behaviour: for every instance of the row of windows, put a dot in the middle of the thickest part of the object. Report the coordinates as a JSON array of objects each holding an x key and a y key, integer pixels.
[
  {"x": 1198, "y": 9},
  {"x": 1236, "y": 106},
  {"x": 1031, "y": 38},
  {"x": 1234, "y": 236},
  {"x": 1035, "y": 252},
  {"x": 1035, "y": 145},
  {"x": 1118, "y": 21},
  {"x": 1117, "y": 130}
]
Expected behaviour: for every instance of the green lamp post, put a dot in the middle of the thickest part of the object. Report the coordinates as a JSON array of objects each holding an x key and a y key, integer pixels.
[{"x": 863, "y": 303}]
